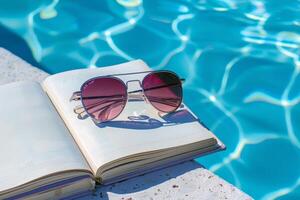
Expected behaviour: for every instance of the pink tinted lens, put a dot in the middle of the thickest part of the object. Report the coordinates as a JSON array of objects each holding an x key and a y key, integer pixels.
[
  {"x": 163, "y": 90},
  {"x": 104, "y": 98}
]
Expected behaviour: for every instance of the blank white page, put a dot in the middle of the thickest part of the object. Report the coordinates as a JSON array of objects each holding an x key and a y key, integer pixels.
[{"x": 34, "y": 141}]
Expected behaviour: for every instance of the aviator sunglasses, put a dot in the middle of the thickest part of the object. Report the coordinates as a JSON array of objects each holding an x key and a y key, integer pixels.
[{"x": 103, "y": 98}]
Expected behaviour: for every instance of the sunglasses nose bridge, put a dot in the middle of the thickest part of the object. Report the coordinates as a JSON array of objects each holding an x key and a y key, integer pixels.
[
  {"x": 137, "y": 94},
  {"x": 134, "y": 81}
]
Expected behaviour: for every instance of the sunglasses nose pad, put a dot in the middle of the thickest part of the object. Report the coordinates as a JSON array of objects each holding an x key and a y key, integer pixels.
[{"x": 145, "y": 99}]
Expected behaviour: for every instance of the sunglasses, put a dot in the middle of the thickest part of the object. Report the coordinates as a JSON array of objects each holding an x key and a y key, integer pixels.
[{"x": 103, "y": 98}]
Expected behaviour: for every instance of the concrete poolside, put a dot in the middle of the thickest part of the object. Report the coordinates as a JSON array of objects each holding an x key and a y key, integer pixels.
[{"x": 188, "y": 180}]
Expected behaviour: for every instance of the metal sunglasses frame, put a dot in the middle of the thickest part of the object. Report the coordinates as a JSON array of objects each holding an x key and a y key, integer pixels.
[{"x": 81, "y": 110}]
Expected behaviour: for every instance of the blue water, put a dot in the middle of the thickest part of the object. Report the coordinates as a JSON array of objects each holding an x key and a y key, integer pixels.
[{"x": 240, "y": 59}]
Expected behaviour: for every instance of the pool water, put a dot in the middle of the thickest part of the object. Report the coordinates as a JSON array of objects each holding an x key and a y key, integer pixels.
[{"x": 240, "y": 59}]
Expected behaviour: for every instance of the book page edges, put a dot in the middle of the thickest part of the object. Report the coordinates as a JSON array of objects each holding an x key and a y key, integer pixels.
[
  {"x": 156, "y": 154},
  {"x": 157, "y": 165}
]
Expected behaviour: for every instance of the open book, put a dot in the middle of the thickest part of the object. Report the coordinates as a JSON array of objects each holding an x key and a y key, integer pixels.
[{"x": 48, "y": 151}]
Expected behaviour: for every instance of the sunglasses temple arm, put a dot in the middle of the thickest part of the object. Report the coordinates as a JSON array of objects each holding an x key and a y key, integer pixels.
[
  {"x": 79, "y": 110},
  {"x": 76, "y": 96}
]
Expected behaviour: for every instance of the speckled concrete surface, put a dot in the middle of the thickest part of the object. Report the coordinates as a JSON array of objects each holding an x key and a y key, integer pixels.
[
  {"x": 13, "y": 68},
  {"x": 188, "y": 180}
]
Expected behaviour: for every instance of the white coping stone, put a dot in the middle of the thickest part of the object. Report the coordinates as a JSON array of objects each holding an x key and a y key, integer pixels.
[{"x": 188, "y": 180}]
